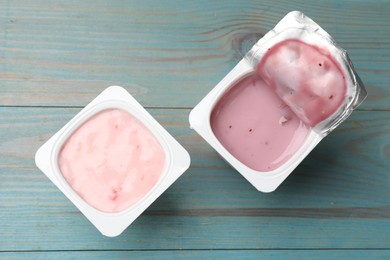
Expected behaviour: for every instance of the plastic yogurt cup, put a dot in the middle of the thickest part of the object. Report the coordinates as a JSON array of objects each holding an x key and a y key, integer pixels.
[
  {"x": 290, "y": 90},
  {"x": 112, "y": 160}
]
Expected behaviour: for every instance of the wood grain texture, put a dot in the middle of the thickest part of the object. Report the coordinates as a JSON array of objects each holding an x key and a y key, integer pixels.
[
  {"x": 167, "y": 54},
  {"x": 56, "y": 56},
  {"x": 219, "y": 254},
  {"x": 337, "y": 198}
]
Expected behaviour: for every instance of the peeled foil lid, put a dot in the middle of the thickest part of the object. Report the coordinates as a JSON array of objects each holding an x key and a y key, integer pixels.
[{"x": 295, "y": 25}]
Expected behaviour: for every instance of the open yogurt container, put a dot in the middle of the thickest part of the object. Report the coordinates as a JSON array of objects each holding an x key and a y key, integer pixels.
[
  {"x": 269, "y": 112},
  {"x": 112, "y": 160}
]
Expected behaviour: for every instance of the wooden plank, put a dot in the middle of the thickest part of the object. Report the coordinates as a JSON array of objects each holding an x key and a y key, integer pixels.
[
  {"x": 338, "y": 197},
  {"x": 353, "y": 158},
  {"x": 43, "y": 230},
  {"x": 188, "y": 254},
  {"x": 167, "y": 55}
]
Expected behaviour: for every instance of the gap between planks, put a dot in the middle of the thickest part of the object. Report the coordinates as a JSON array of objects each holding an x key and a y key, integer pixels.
[
  {"x": 177, "y": 108},
  {"x": 198, "y": 249}
]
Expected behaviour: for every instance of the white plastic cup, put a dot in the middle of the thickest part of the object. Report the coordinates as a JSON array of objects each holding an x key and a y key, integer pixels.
[
  {"x": 177, "y": 160},
  {"x": 294, "y": 25}
]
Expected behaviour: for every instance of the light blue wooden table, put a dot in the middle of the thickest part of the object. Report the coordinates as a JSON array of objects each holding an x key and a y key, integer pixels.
[{"x": 56, "y": 56}]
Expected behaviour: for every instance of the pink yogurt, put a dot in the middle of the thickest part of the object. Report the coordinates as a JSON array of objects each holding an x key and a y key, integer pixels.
[
  {"x": 265, "y": 118},
  {"x": 112, "y": 160},
  {"x": 306, "y": 77},
  {"x": 256, "y": 126}
]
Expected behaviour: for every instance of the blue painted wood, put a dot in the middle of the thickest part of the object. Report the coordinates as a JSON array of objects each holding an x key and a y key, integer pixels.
[
  {"x": 338, "y": 197},
  {"x": 219, "y": 254},
  {"x": 63, "y": 53},
  {"x": 169, "y": 54}
]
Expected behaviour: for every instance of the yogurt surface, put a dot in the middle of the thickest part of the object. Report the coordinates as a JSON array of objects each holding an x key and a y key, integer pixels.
[
  {"x": 255, "y": 125},
  {"x": 308, "y": 79},
  {"x": 112, "y": 161}
]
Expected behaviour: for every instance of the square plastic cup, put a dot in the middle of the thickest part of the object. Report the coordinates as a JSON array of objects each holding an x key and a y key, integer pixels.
[
  {"x": 290, "y": 66},
  {"x": 176, "y": 161}
]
